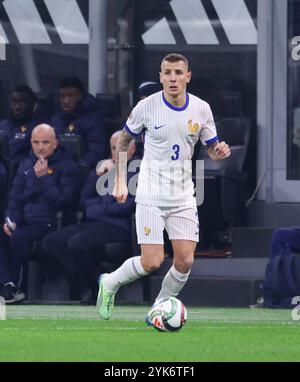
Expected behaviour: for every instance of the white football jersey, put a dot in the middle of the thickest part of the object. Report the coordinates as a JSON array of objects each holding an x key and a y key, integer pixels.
[{"x": 170, "y": 134}]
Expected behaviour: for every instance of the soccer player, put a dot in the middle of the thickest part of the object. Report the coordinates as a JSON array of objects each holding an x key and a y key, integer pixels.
[{"x": 172, "y": 121}]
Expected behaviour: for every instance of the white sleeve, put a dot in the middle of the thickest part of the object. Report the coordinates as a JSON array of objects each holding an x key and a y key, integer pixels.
[
  {"x": 135, "y": 122},
  {"x": 208, "y": 132}
]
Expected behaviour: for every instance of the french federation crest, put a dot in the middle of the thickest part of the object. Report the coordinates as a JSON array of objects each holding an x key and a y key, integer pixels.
[
  {"x": 147, "y": 231},
  {"x": 193, "y": 128},
  {"x": 71, "y": 128}
]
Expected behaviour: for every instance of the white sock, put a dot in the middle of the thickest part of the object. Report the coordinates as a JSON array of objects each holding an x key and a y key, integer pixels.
[
  {"x": 172, "y": 284},
  {"x": 129, "y": 271}
]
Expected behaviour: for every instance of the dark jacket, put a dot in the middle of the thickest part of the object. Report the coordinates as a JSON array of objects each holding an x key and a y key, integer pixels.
[
  {"x": 106, "y": 208},
  {"x": 2, "y": 175},
  {"x": 19, "y": 131},
  {"x": 86, "y": 122},
  {"x": 34, "y": 200},
  {"x": 3, "y": 181}
]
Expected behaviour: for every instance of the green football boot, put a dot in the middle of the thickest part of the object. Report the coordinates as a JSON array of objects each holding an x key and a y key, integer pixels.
[{"x": 105, "y": 300}]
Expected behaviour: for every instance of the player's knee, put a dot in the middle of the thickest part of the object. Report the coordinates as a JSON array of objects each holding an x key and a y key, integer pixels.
[
  {"x": 184, "y": 264},
  {"x": 152, "y": 264}
]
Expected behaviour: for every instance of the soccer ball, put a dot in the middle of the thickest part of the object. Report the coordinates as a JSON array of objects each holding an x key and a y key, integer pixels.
[{"x": 168, "y": 314}]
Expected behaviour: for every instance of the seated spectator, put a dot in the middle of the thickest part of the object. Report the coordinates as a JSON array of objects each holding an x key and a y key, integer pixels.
[
  {"x": 46, "y": 181},
  {"x": 3, "y": 183},
  {"x": 147, "y": 88},
  {"x": 284, "y": 241},
  {"x": 80, "y": 115},
  {"x": 109, "y": 164},
  {"x": 24, "y": 114},
  {"x": 2, "y": 175},
  {"x": 78, "y": 247}
]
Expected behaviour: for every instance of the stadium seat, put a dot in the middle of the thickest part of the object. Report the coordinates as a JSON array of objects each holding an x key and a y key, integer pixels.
[
  {"x": 229, "y": 104},
  {"x": 72, "y": 145},
  {"x": 110, "y": 110},
  {"x": 224, "y": 183},
  {"x": 45, "y": 102}
]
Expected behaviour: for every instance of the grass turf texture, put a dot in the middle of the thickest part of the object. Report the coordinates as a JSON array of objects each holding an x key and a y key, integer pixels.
[{"x": 74, "y": 333}]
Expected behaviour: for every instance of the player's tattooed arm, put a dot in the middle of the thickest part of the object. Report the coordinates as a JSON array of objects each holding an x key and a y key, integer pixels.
[{"x": 121, "y": 153}]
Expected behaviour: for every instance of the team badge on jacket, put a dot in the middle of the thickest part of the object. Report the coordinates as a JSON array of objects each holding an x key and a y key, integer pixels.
[
  {"x": 50, "y": 171},
  {"x": 71, "y": 128},
  {"x": 21, "y": 133}
]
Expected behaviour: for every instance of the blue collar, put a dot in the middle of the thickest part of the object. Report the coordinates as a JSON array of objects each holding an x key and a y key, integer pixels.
[{"x": 187, "y": 100}]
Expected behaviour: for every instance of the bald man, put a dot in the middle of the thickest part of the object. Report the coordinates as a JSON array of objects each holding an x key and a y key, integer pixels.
[
  {"x": 108, "y": 164},
  {"x": 46, "y": 181}
]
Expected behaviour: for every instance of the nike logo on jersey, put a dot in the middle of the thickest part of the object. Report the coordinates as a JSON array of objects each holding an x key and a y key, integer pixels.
[{"x": 158, "y": 127}]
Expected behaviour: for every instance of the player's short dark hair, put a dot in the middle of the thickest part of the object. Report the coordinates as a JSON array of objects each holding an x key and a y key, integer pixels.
[
  {"x": 24, "y": 89},
  {"x": 175, "y": 57},
  {"x": 71, "y": 82}
]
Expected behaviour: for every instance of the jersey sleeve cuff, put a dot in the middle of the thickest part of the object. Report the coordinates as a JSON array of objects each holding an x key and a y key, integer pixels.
[
  {"x": 212, "y": 140},
  {"x": 130, "y": 132}
]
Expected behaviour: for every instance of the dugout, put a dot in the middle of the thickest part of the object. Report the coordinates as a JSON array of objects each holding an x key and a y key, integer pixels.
[{"x": 245, "y": 60}]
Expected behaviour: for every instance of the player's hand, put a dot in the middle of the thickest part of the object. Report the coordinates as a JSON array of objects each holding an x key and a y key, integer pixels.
[
  {"x": 105, "y": 166},
  {"x": 120, "y": 191},
  {"x": 222, "y": 150}
]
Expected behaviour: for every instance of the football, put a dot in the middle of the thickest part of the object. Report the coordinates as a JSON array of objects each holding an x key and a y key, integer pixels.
[{"x": 168, "y": 314}]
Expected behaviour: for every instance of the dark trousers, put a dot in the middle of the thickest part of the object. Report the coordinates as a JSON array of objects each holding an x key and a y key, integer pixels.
[
  {"x": 78, "y": 247},
  {"x": 14, "y": 249},
  {"x": 285, "y": 240}
]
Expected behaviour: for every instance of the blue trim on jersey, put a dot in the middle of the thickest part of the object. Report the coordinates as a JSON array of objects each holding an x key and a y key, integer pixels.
[
  {"x": 187, "y": 100},
  {"x": 130, "y": 132},
  {"x": 212, "y": 140}
]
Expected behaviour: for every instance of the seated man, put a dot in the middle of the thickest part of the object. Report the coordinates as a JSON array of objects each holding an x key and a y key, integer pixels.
[
  {"x": 80, "y": 115},
  {"x": 24, "y": 114},
  {"x": 3, "y": 183},
  {"x": 284, "y": 241},
  {"x": 77, "y": 247},
  {"x": 46, "y": 181},
  {"x": 145, "y": 89},
  {"x": 148, "y": 88}
]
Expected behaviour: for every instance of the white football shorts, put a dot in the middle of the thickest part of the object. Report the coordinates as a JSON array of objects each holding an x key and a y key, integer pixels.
[{"x": 181, "y": 223}]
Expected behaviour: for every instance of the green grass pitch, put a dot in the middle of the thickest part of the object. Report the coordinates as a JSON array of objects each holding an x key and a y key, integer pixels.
[{"x": 75, "y": 333}]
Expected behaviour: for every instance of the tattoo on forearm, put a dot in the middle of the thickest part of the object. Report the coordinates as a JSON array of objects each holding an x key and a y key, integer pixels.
[
  {"x": 122, "y": 147},
  {"x": 123, "y": 141}
]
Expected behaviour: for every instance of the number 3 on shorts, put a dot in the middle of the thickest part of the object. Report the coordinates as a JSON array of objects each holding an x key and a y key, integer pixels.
[{"x": 176, "y": 149}]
